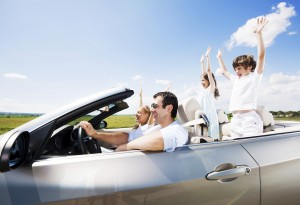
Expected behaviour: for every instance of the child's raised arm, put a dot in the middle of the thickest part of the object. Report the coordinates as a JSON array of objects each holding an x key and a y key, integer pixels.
[
  {"x": 261, "y": 50},
  {"x": 212, "y": 84},
  {"x": 202, "y": 65},
  {"x": 223, "y": 68},
  {"x": 141, "y": 97},
  {"x": 168, "y": 87}
]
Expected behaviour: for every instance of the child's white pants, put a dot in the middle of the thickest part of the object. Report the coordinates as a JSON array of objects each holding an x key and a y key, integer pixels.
[{"x": 246, "y": 124}]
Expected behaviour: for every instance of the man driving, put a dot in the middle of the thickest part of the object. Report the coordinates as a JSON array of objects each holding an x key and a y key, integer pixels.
[{"x": 165, "y": 136}]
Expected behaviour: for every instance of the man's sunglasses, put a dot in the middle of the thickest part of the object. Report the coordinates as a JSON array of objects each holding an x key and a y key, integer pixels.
[{"x": 154, "y": 105}]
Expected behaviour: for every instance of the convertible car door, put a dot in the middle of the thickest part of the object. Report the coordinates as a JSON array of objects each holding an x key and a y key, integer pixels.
[
  {"x": 211, "y": 173},
  {"x": 279, "y": 159}
]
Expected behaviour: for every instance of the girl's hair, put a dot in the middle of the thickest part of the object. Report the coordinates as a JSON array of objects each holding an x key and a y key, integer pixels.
[
  {"x": 216, "y": 91},
  {"x": 146, "y": 108},
  {"x": 245, "y": 61}
]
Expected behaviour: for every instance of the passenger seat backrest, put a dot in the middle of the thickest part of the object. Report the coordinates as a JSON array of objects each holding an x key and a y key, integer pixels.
[
  {"x": 265, "y": 115},
  {"x": 186, "y": 110},
  {"x": 189, "y": 115},
  {"x": 222, "y": 116}
]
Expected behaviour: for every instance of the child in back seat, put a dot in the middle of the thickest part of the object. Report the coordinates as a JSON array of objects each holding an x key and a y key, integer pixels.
[
  {"x": 208, "y": 93},
  {"x": 243, "y": 101}
]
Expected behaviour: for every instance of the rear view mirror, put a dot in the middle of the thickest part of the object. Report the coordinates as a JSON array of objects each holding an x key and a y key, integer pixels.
[{"x": 14, "y": 152}]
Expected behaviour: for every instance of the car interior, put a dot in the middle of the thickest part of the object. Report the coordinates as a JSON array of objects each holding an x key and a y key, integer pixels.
[
  {"x": 191, "y": 116},
  {"x": 69, "y": 139}
]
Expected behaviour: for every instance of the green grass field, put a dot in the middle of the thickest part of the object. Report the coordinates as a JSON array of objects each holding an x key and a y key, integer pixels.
[{"x": 8, "y": 123}]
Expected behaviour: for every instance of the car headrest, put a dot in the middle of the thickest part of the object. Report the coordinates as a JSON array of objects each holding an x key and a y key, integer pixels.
[
  {"x": 186, "y": 109},
  {"x": 223, "y": 118},
  {"x": 265, "y": 115}
]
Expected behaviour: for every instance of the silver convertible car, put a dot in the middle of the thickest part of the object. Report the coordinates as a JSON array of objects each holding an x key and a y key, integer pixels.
[{"x": 49, "y": 160}]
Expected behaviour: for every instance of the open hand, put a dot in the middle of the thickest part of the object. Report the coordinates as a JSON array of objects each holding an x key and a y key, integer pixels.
[
  {"x": 202, "y": 59},
  {"x": 261, "y": 22},
  {"x": 208, "y": 51}
]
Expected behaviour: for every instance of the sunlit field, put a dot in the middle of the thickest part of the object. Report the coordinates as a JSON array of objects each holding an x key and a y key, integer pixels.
[{"x": 8, "y": 123}]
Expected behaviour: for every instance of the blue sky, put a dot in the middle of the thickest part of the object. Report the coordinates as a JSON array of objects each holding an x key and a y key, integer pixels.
[{"x": 53, "y": 52}]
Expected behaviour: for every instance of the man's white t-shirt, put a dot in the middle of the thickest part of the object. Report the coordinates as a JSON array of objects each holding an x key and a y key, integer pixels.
[
  {"x": 244, "y": 92},
  {"x": 174, "y": 135}
]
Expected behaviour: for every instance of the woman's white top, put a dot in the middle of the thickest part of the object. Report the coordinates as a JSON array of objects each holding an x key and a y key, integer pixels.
[{"x": 140, "y": 131}]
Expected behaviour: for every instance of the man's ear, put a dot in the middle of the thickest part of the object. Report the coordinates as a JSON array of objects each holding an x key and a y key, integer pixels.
[{"x": 169, "y": 108}]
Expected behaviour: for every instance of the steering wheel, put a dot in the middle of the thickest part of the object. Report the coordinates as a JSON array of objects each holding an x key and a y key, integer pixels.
[{"x": 86, "y": 144}]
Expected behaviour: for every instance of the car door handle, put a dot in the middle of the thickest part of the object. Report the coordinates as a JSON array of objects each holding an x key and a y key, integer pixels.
[{"x": 229, "y": 174}]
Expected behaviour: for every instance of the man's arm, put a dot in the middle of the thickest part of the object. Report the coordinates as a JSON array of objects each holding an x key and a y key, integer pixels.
[
  {"x": 151, "y": 142},
  {"x": 116, "y": 138}
]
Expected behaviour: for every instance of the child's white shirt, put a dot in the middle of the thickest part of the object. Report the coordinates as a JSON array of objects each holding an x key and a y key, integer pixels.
[{"x": 244, "y": 92}]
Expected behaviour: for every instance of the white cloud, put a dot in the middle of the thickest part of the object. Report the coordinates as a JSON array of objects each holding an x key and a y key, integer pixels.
[
  {"x": 280, "y": 92},
  {"x": 162, "y": 82},
  {"x": 137, "y": 77},
  {"x": 281, "y": 78},
  {"x": 292, "y": 33},
  {"x": 15, "y": 76},
  {"x": 278, "y": 22}
]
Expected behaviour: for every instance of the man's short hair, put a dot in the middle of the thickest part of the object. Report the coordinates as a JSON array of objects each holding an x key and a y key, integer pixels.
[{"x": 168, "y": 99}]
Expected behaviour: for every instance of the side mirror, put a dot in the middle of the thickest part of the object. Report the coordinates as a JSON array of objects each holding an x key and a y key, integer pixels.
[
  {"x": 14, "y": 152},
  {"x": 103, "y": 124}
]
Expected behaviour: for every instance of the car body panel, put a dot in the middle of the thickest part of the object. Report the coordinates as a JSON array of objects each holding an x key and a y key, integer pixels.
[
  {"x": 279, "y": 160},
  {"x": 176, "y": 177}
]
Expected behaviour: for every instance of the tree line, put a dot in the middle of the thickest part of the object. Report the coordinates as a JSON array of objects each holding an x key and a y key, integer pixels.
[{"x": 285, "y": 113}]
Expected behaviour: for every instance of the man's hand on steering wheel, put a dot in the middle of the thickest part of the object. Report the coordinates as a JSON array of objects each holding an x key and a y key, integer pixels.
[
  {"x": 86, "y": 144},
  {"x": 88, "y": 128}
]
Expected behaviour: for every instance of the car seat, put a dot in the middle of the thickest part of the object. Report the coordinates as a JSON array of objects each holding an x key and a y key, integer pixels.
[
  {"x": 265, "y": 115},
  {"x": 191, "y": 116}
]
